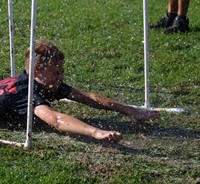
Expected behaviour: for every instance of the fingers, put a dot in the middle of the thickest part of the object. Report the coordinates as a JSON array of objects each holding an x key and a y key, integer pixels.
[
  {"x": 107, "y": 135},
  {"x": 155, "y": 114},
  {"x": 113, "y": 136}
]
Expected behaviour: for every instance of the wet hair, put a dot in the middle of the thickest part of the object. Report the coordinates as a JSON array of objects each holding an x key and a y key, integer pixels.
[{"x": 46, "y": 53}]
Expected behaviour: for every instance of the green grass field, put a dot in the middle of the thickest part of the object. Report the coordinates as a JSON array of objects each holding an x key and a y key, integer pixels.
[{"x": 102, "y": 42}]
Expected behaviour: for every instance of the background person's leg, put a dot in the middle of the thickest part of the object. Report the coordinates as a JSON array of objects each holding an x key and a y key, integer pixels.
[
  {"x": 168, "y": 19},
  {"x": 173, "y": 6},
  {"x": 183, "y": 7},
  {"x": 181, "y": 22}
]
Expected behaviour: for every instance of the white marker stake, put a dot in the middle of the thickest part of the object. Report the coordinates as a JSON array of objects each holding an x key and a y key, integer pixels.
[
  {"x": 31, "y": 76},
  {"x": 11, "y": 35}
]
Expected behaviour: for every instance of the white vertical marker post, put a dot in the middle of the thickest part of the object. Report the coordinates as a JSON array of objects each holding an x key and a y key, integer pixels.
[
  {"x": 146, "y": 53},
  {"x": 147, "y": 104},
  {"x": 31, "y": 76},
  {"x": 11, "y": 35}
]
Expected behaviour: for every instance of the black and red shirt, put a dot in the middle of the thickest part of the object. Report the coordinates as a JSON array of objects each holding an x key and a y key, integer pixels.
[{"x": 14, "y": 96}]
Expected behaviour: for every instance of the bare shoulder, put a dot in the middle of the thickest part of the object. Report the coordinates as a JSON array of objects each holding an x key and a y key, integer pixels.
[
  {"x": 43, "y": 110},
  {"x": 46, "y": 113},
  {"x": 42, "y": 107}
]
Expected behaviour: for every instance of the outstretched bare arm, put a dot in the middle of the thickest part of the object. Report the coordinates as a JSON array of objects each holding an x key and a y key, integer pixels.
[
  {"x": 65, "y": 123},
  {"x": 100, "y": 102}
]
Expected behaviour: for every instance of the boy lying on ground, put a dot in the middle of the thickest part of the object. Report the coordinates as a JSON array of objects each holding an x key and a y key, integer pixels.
[{"x": 49, "y": 86}]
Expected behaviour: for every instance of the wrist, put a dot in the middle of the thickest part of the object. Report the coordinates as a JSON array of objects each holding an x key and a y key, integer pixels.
[{"x": 94, "y": 133}]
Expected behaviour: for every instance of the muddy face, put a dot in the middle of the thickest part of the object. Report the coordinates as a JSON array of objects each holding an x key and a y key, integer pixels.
[{"x": 51, "y": 76}]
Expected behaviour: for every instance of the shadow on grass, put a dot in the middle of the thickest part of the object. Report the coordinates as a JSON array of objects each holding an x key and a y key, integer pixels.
[{"x": 145, "y": 129}]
